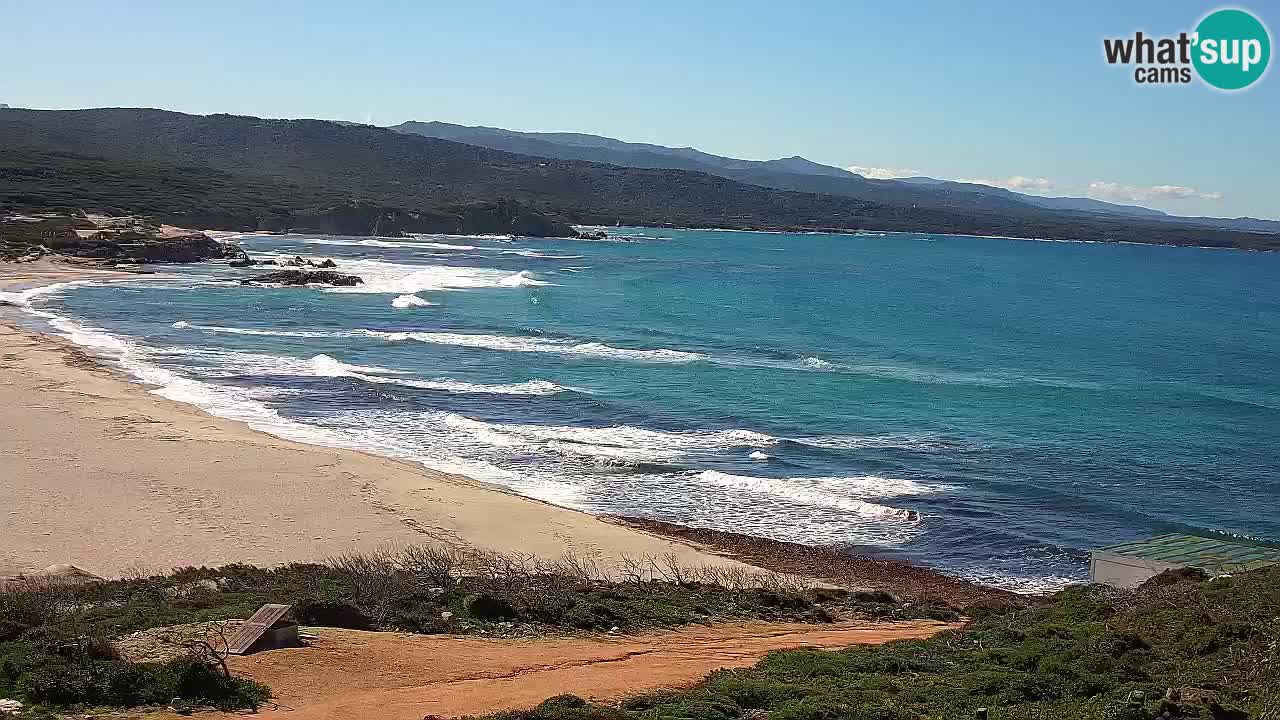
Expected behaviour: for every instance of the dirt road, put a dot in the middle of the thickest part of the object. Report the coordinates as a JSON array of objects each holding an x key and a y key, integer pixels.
[{"x": 351, "y": 674}]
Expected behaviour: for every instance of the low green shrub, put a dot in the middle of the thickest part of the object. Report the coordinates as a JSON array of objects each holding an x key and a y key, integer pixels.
[
  {"x": 486, "y": 606},
  {"x": 36, "y": 675}
]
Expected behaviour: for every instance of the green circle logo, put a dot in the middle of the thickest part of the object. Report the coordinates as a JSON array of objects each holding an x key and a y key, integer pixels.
[{"x": 1231, "y": 50}]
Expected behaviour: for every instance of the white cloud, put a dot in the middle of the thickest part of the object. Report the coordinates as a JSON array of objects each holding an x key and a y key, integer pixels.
[
  {"x": 1145, "y": 193},
  {"x": 879, "y": 173},
  {"x": 1099, "y": 189},
  {"x": 1019, "y": 183}
]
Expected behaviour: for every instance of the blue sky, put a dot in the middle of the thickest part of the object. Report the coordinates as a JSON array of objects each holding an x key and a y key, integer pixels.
[{"x": 992, "y": 91}]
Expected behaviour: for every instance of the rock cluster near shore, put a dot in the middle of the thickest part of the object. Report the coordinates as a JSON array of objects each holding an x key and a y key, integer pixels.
[{"x": 304, "y": 277}]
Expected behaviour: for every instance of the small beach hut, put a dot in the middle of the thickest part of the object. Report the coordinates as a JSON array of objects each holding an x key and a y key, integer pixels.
[{"x": 1130, "y": 564}]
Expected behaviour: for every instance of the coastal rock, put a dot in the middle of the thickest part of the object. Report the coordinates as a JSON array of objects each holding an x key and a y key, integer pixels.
[
  {"x": 137, "y": 246},
  {"x": 326, "y": 263},
  {"x": 304, "y": 277},
  {"x": 114, "y": 240},
  {"x": 241, "y": 259}
]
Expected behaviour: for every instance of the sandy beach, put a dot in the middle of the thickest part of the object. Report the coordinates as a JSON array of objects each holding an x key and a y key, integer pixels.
[{"x": 99, "y": 473}]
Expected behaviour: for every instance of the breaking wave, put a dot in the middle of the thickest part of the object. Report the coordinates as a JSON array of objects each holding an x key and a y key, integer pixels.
[
  {"x": 619, "y": 441},
  {"x": 541, "y": 255},
  {"x": 374, "y": 242},
  {"x": 825, "y": 492},
  {"x": 398, "y": 279},
  {"x": 410, "y": 301},
  {"x": 183, "y": 325},
  {"x": 541, "y": 345},
  {"x": 326, "y": 366},
  {"x": 524, "y": 278},
  {"x": 23, "y": 298}
]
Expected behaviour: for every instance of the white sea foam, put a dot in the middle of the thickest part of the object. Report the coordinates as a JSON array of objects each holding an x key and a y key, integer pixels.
[
  {"x": 1017, "y": 582},
  {"x": 838, "y": 493},
  {"x": 542, "y": 345},
  {"x": 183, "y": 324},
  {"x": 410, "y": 301},
  {"x": 485, "y": 342},
  {"x": 619, "y": 441},
  {"x": 374, "y": 242},
  {"x": 401, "y": 279},
  {"x": 227, "y": 402},
  {"x": 816, "y": 363},
  {"x": 524, "y": 278},
  {"x": 541, "y": 255},
  {"x": 486, "y": 450},
  {"x": 244, "y": 405},
  {"x": 864, "y": 442},
  {"x": 326, "y": 366},
  {"x": 227, "y": 363},
  {"x": 23, "y": 298},
  {"x": 758, "y": 455},
  {"x": 498, "y": 237}
]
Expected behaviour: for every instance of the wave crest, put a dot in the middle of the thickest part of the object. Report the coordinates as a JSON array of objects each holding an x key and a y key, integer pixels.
[
  {"x": 824, "y": 492},
  {"x": 409, "y": 301},
  {"x": 540, "y": 345}
]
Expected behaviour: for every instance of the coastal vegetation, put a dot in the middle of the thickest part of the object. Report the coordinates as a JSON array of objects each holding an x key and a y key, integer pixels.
[
  {"x": 60, "y": 641},
  {"x": 1180, "y": 646},
  {"x": 244, "y": 173}
]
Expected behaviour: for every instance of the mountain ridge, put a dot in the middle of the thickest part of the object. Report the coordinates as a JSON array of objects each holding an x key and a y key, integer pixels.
[
  {"x": 795, "y": 173},
  {"x": 244, "y": 173}
]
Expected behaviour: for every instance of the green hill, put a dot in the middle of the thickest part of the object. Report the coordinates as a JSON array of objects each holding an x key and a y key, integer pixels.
[{"x": 233, "y": 172}]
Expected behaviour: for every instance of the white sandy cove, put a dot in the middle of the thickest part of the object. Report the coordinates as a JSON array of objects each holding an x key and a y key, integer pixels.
[{"x": 98, "y": 472}]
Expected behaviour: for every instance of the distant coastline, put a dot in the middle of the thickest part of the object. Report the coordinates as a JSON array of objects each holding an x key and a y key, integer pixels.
[{"x": 903, "y": 233}]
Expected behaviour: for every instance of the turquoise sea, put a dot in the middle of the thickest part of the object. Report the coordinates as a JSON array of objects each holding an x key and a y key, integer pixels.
[{"x": 989, "y": 407}]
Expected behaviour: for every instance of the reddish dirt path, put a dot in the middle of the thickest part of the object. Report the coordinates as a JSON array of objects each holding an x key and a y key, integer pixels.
[{"x": 349, "y": 674}]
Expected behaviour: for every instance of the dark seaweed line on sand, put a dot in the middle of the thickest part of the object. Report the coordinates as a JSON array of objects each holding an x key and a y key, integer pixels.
[{"x": 829, "y": 564}]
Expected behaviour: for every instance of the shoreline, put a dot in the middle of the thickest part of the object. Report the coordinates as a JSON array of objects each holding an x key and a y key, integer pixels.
[
  {"x": 916, "y": 583},
  {"x": 352, "y": 499},
  {"x": 105, "y": 475}
]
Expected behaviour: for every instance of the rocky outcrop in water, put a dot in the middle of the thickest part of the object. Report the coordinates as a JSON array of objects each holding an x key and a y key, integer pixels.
[{"x": 304, "y": 277}]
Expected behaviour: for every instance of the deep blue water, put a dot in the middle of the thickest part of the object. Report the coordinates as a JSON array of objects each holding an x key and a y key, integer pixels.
[{"x": 1028, "y": 400}]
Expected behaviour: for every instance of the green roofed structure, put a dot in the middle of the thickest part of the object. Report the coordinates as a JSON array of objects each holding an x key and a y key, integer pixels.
[{"x": 1130, "y": 564}]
